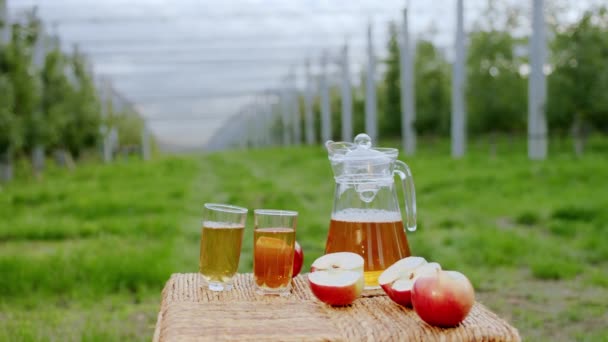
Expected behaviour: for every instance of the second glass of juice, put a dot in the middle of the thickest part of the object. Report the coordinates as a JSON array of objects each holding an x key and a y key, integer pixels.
[{"x": 274, "y": 237}]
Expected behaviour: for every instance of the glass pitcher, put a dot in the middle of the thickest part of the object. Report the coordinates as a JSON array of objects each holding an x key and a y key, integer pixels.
[{"x": 366, "y": 218}]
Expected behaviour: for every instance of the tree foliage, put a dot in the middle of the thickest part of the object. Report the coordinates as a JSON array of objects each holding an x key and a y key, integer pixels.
[
  {"x": 578, "y": 85},
  {"x": 497, "y": 68},
  {"x": 496, "y": 92},
  {"x": 432, "y": 83},
  {"x": 9, "y": 137},
  {"x": 389, "y": 92},
  {"x": 24, "y": 82},
  {"x": 54, "y": 105},
  {"x": 56, "y": 99},
  {"x": 83, "y": 128}
]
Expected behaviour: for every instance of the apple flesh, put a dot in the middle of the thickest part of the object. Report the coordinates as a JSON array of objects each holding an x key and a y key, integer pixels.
[
  {"x": 397, "y": 280},
  {"x": 298, "y": 260},
  {"x": 443, "y": 299},
  {"x": 337, "y": 278}
]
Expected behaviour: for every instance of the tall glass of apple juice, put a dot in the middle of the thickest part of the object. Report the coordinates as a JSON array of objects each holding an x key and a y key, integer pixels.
[
  {"x": 221, "y": 239},
  {"x": 274, "y": 237}
]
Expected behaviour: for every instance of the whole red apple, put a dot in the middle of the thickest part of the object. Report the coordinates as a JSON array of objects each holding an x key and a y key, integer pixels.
[
  {"x": 298, "y": 259},
  {"x": 443, "y": 299}
]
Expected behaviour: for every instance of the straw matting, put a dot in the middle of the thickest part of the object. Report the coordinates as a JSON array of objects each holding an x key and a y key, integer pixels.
[{"x": 190, "y": 312}]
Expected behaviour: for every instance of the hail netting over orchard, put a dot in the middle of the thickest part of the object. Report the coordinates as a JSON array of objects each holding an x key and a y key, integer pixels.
[
  {"x": 219, "y": 74},
  {"x": 368, "y": 74}
]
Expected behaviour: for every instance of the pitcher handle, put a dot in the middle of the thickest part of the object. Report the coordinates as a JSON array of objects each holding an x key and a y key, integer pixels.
[{"x": 407, "y": 181}]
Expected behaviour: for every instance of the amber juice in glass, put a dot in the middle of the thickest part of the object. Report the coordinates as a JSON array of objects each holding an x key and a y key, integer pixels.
[
  {"x": 273, "y": 261},
  {"x": 377, "y": 235},
  {"x": 220, "y": 251},
  {"x": 221, "y": 240},
  {"x": 273, "y": 240}
]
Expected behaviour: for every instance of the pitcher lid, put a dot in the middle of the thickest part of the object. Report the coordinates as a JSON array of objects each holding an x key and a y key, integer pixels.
[{"x": 360, "y": 151}]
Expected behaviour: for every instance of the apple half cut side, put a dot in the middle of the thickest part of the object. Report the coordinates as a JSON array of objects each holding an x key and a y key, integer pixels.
[
  {"x": 337, "y": 278},
  {"x": 338, "y": 261},
  {"x": 398, "y": 280}
]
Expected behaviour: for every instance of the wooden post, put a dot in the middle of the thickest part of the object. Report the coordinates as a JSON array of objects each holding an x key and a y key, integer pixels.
[
  {"x": 145, "y": 143},
  {"x": 249, "y": 128},
  {"x": 6, "y": 166},
  {"x": 295, "y": 108},
  {"x": 254, "y": 124},
  {"x": 6, "y": 160},
  {"x": 258, "y": 122},
  {"x": 458, "y": 126},
  {"x": 114, "y": 140},
  {"x": 243, "y": 130},
  {"x": 285, "y": 115},
  {"x": 347, "y": 101},
  {"x": 272, "y": 119},
  {"x": 308, "y": 115},
  {"x": 38, "y": 156},
  {"x": 5, "y": 26},
  {"x": 408, "y": 105},
  {"x": 537, "y": 88},
  {"x": 104, "y": 130},
  {"x": 242, "y": 134},
  {"x": 325, "y": 101},
  {"x": 371, "y": 120},
  {"x": 267, "y": 117},
  {"x": 39, "y": 55}
]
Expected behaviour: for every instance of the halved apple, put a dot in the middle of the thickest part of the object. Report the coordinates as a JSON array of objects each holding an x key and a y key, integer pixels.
[
  {"x": 337, "y": 278},
  {"x": 398, "y": 280}
]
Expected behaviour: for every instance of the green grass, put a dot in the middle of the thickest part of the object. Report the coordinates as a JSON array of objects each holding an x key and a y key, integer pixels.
[{"x": 84, "y": 254}]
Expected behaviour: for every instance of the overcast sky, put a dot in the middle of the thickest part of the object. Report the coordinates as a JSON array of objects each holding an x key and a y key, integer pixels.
[{"x": 189, "y": 65}]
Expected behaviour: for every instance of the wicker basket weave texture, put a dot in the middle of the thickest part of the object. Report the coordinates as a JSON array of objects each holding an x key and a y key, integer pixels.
[{"x": 190, "y": 312}]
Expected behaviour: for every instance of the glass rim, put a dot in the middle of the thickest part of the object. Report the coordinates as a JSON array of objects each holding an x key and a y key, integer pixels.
[
  {"x": 227, "y": 208},
  {"x": 275, "y": 212}
]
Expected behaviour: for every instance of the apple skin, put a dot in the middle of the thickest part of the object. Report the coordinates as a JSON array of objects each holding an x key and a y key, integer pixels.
[
  {"x": 337, "y": 296},
  {"x": 298, "y": 259},
  {"x": 400, "y": 297},
  {"x": 443, "y": 299}
]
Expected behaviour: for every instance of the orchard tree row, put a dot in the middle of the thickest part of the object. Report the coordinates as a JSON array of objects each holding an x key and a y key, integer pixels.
[
  {"x": 497, "y": 82},
  {"x": 52, "y": 108}
]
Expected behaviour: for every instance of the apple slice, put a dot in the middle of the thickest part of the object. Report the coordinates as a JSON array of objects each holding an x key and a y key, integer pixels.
[
  {"x": 398, "y": 280},
  {"x": 298, "y": 260},
  {"x": 337, "y": 278}
]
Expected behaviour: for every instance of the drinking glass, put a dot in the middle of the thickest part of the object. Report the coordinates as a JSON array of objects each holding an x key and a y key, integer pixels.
[
  {"x": 221, "y": 239},
  {"x": 274, "y": 237}
]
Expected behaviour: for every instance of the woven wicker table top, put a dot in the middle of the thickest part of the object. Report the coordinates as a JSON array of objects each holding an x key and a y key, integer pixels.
[{"x": 190, "y": 312}]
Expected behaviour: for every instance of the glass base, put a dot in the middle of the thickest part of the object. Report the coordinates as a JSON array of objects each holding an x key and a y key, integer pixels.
[
  {"x": 219, "y": 287},
  {"x": 265, "y": 291}
]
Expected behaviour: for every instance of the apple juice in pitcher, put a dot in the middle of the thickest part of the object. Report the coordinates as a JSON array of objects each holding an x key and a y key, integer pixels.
[
  {"x": 376, "y": 235},
  {"x": 366, "y": 217}
]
